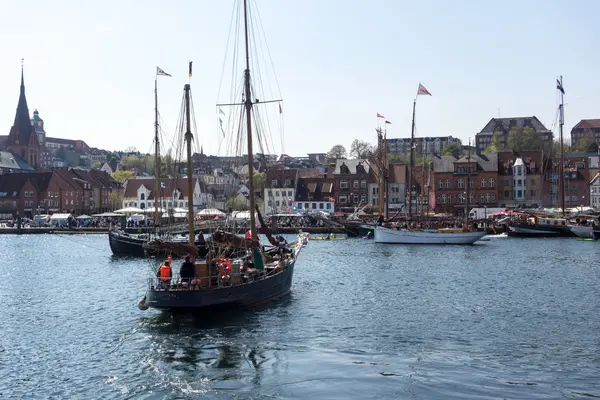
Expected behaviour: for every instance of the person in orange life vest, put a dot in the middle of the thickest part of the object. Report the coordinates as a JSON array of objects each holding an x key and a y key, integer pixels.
[{"x": 165, "y": 273}]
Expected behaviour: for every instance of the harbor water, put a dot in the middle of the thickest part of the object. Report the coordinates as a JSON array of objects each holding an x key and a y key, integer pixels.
[{"x": 504, "y": 319}]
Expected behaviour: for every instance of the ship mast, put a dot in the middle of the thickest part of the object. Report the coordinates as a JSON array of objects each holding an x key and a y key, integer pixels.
[
  {"x": 156, "y": 153},
  {"x": 248, "y": 105},
  {"x": 381, "y": 171},
  {"x": 561, "y": 168},
  {"x": 412, "y": 161},
  {"x": 468, "y": 186},
  {"x": 189, "y": 137}
]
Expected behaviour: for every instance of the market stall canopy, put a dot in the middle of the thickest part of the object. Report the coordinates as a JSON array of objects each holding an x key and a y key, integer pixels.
[
  {"x": 130, "y": 210},
  {"x": 55, "y": 217},
  {"x": 84, "y": 217},
  {"x": 137, "y": 217},
  {"x": 108, "y": 214},
  {"x": 210, "y": 212}
]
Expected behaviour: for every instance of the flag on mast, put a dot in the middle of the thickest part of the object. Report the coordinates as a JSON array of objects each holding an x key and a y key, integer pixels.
[
  {"x": 280, "y": 109},
  {"x": 380, "y": 116},
  {"x": 422, "y": 90},
  {"x": 387, "y": 122},
  {"x": 159, "y": 71},
  {"x": 221, "y": 126},
  {"x": 191, "y": 68},
  {"x": 559, "y": 86},
  {"x": 221, "y": 111}
]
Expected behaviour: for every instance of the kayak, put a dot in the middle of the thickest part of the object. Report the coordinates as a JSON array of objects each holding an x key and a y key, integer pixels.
[{"x": 326, "y": 238}]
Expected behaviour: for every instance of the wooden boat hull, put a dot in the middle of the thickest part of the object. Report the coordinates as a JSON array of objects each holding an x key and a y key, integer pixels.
[
  {"x": 527, "y": 230},
  {"x": 243, "y": 295},
  {"x": 393, "y": 236},
  {"x": 582, "y": 231},
  {"x": 123, "y": 245}
]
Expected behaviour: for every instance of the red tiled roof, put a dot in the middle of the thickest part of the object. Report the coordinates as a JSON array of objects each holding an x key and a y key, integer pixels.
[{"x": 588, "y": 123}]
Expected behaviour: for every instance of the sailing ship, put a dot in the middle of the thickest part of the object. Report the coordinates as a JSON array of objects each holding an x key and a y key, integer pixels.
[
  {"x": 544, "y": 226},
  {"x": 123, "y": 242},
  {"x": 238, "y": 271},
  {"x": 390, "y": 235}
]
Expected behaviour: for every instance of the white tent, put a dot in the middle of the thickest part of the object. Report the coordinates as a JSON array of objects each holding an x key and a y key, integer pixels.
[
  {"x": 150, "y": 210},
  {"x": 242, "y": 215},
  {"x": 58, "y": 217},
  {"x": 129, "y": 210},
  {"x": 138, "y": 217},
  {"x": 208, "y": 212}
]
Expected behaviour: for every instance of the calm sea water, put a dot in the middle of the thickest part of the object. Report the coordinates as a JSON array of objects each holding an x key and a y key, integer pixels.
[{"x": 508, "y": 318}]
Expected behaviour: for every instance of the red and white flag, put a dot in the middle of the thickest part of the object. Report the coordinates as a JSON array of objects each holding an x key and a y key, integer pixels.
[
  {"x": 422, "y": 90},
  {"x": 380, "y": 116}
]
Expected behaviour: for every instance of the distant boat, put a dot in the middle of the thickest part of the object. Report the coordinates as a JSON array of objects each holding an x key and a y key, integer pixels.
[
  {"x": 582, "y": 231},
  {"x": 426, "y": 236}
]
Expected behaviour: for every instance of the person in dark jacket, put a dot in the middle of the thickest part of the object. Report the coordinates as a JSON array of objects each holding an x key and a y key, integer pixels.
[{"x": 187, "y": 271}]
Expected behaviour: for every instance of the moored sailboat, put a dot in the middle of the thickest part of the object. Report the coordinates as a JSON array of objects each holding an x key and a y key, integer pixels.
[
  {"x": 239, "y": 271},
  {"x": 407, "y": 235}
]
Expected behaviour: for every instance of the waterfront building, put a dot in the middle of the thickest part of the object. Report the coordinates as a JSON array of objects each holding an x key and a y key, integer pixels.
[
  {"x": 423, "y": 145},
  {"x": 450, "y": 176},
  {"x": 521, "y": 181},
  {"x": 173, "y": 193},
  {"x": 350, "y": 179},
  {"x": 595, "y": 191},
  {"x": 502, "y": 128},
  {"x": 586, "y": 127}
]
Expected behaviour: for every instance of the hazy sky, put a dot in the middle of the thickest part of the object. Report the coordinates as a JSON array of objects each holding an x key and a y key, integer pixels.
[{"x": 90, "y": 66}]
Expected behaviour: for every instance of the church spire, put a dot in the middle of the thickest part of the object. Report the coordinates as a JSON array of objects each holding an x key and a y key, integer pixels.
[{"x": 22, "y": 119}]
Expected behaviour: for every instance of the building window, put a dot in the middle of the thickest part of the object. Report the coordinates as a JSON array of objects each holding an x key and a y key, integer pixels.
[
  {"x": 289, "y": 193},
  {"x": 274, "y": 183},
  {"x": 363, "y": 184},
  {"x": 519, "y": 193},
  {"x": 314, "y": 206},
  {"x": 142, "y": 196},
  {"x": 461, "y": 198},
  {"x": 440, "y": 184},
  {"x": 492, "y": 197},
  {"x": 26, "y": 194},
  {"x": 461, "y": 184},
  {"x": 487, "y": 197},
  {"x": 299, "y": 205},
  {"x": 342, "y": 199},
  {"x": 288, "y": 182},
  {"x": 343, "y": 184},
  {"x": 443, "y": 199},
  {"x": 532, "y": 193},
  {"x": 321, "y": 206},
  {"x": 482, "y": 198},
  {"x": 277, "y": 193},
  {"x": 328, "y": 206},
  {"x": 447, "y": 183},
  {"x": 483, "y": 182},
  {"x": 355, "y": 184},
  {"x": 355, "y": 199},
  {"x": 491, "y": 183}
]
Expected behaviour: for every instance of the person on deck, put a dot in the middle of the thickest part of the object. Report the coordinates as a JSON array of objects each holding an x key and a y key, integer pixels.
[
  {"x": 187, "y": 272},
  {"x": 380, "y": 220},
  {"x": 165, "y": 273}
]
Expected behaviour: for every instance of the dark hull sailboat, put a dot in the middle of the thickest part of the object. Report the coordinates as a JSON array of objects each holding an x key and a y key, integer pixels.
[
  {"x": 273, "y": 284},
  {"x": 538, "y": 230},
  {"x": 123, "y": 244}
]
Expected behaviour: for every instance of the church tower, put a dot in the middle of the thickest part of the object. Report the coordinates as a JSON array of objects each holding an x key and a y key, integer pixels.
[{"x": 23, "y": 139}]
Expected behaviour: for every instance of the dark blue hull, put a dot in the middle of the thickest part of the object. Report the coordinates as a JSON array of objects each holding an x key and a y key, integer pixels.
[
  {"x": 247, "y": 294},
  {"x": 122, "y": 245}
]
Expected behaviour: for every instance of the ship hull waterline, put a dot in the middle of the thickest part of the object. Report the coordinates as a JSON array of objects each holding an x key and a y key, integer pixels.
[
  {"x": 393, "y": 236},
  {"x": 243, "y": 295}
]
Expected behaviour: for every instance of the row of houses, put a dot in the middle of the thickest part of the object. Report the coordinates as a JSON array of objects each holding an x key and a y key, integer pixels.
[
  {"x": 506, "y": 179},
  {"x": 64, "y": 190}
]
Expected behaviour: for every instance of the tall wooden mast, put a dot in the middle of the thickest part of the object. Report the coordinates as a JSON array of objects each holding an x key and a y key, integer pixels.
[
  {"x": 561, "y": 168},
  {"x": 189, "y": 137},
  {"x": 248, "y": 104},
  {"x": 156, "y": 153},
  {"x": 412, "y": 160}
]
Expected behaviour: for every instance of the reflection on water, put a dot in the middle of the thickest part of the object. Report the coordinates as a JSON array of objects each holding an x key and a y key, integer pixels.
[{"x": 507, "y": 319}]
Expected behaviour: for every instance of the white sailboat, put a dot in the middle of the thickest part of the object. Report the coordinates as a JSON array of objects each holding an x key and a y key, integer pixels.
[{"x": 426, "y": 236}]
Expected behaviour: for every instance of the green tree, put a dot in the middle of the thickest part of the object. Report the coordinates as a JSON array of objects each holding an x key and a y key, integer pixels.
[
  {"x": 116, "y": 200},
  {"x": 236, "y": 204},
  {"x": 97, "y": 165},
  {"x": 360, "y": 149},
  {"x": 259, "y": 181},
  {"x": 556, "y": 147},
  {"x": 132, "y": 162},
  {"x": 586, "y": 144},
  {"x": 123, "y": 176},
  {"x": 451, "y": 149},
  {"x": 494, "y": 147},
  {"x": 337, "y": 151},
  {"x": 523, "y": 139}
]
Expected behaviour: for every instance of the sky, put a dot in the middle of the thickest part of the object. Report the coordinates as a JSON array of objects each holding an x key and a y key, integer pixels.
[{"x": 90, "y": 66}]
